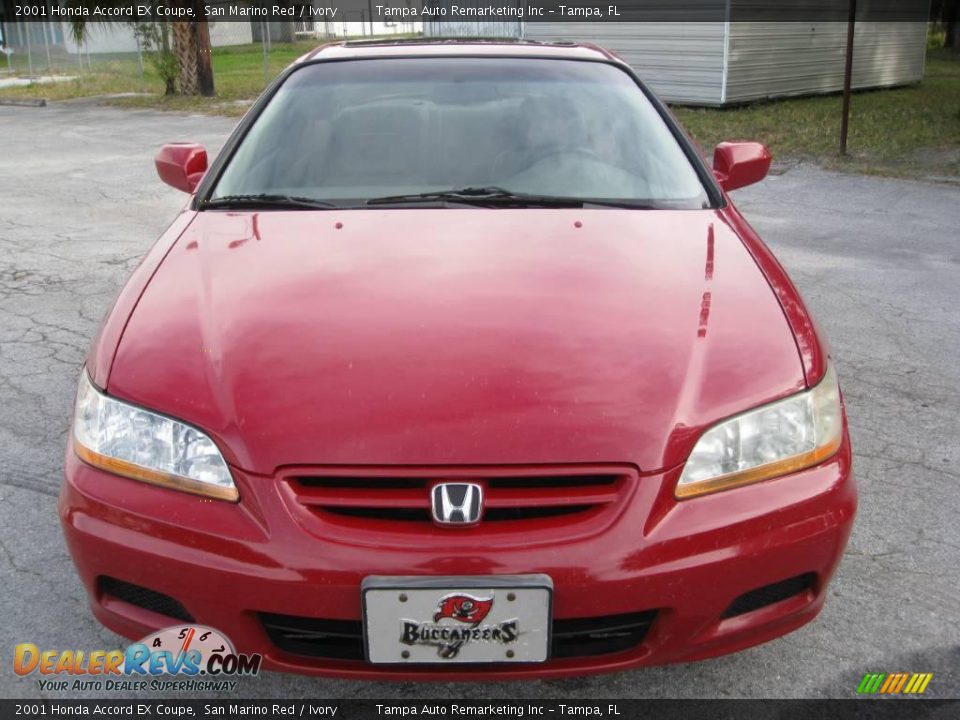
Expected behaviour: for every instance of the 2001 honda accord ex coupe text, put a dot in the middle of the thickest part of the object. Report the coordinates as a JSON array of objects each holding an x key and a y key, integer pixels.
[{"x": 459, "y": 363}]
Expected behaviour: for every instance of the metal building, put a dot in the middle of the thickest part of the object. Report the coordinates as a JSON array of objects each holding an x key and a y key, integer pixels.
[{"x": 721, "y": 63}]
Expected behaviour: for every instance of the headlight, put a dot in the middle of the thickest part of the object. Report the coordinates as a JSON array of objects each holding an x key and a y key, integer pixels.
[
  {"x": 776, "y": 439},
  {"x": 142, "y": 445}
]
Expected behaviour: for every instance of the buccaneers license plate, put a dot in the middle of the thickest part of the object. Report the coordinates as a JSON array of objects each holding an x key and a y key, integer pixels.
[{"x": 475, "y": 619}]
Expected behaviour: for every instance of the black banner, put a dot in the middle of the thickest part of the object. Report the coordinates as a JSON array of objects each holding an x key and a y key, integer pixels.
[
  {"x": 483, "y": 709},
  {"x": 452, "y": 11}
]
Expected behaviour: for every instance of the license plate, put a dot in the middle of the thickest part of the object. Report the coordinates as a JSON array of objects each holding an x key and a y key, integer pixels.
[{"x": 474, "y": 619}]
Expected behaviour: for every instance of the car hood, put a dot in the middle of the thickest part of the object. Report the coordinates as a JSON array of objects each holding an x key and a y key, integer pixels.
[{"x": 449, "y": 336}]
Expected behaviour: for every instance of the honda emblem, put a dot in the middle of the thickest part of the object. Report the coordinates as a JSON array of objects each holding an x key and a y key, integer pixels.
[{"x": 457, "y": 503}]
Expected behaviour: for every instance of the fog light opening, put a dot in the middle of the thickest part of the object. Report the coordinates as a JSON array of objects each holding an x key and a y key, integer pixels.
[
  {"x": 144, "y": 598},
  {"x": 770, "y": 594}
]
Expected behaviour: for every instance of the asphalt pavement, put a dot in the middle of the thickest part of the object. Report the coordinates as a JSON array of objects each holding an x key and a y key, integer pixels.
[{"x": 878, "y": 261}]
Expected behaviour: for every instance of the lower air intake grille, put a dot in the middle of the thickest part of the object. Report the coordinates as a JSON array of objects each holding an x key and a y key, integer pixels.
[
  {"x": 770, "y": 594},
  {"x": 335, "y": 639},
  {"x": 343, "y": 639},
  {"x": 144, "y": 598},
  {"x": 583, "y": 637}
]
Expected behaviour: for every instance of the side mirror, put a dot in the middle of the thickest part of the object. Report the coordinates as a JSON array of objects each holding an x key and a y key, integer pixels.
[
  {"x": 182, "y": 165},
  {"x": 738, "y": 164}
]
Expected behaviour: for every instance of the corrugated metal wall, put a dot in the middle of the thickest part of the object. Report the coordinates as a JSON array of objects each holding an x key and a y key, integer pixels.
[
  {"x": 716, "y": 63},
  {"x": 778, "y": 59},
  {"x": 680, "y": 61},
  {"x": 452, "y": 28}
]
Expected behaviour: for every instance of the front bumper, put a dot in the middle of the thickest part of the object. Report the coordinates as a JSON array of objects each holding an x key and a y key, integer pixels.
[{"x": 228, "y": 564}]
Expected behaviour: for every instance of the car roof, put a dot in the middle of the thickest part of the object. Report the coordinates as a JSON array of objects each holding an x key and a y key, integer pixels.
[{"x": 466, "y": 47}]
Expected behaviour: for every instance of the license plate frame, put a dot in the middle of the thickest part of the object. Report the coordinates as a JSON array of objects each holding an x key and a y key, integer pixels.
[{"x": 532, "y": 615}]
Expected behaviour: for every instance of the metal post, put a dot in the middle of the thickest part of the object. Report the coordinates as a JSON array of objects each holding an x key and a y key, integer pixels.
[
  {"x": 139, "y": 55},
  {"x": 29, "y": 53},
  {"x": 264, "y": 33},
  {"x": 847, "y": 78},
  {"x": 370, "y": 9},
  {"x": 46, "y": 46}
]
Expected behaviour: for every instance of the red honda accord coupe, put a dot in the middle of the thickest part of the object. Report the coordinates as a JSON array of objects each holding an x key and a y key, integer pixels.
[{"x": 460, "y": 363}]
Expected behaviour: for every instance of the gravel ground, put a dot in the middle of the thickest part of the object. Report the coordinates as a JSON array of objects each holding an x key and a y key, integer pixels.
[{"x": 878, "y": 260}]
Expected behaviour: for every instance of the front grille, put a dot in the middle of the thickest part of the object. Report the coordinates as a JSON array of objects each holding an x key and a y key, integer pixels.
[
  {"x": 144, "y": 598},
  {"x": 508, "y": 497},
  {"x": 770, "y": 594},
  {"x": 343, "y": 639}
]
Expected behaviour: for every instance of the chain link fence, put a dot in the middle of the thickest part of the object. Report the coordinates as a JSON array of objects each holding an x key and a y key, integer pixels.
[{"x": 121, "y": 57}]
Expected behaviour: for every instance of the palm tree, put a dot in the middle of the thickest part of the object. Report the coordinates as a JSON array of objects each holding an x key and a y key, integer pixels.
[{"x": 191, "y": 46}]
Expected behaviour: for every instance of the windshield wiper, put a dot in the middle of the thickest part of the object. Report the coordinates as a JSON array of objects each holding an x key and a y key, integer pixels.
[
  {"x": 266, "y": 201},
  {"x": 497, "y": 197}
]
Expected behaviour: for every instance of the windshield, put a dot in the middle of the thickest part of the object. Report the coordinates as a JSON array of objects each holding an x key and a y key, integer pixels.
[{"x": 354, "y": 131}]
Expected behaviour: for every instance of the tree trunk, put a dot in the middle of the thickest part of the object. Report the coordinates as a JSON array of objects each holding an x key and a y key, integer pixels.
[
  {"x": 950, "y": 18},
  {"x": 191, "y": 42},
  {"x": 185, "y": 49},
  {"x": 204, "y": 65},
  {"x": 169, "y": 80}
]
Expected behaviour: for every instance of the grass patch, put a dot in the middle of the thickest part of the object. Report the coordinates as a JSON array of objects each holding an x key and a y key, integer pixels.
[{"x": 910, "y": 131}]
